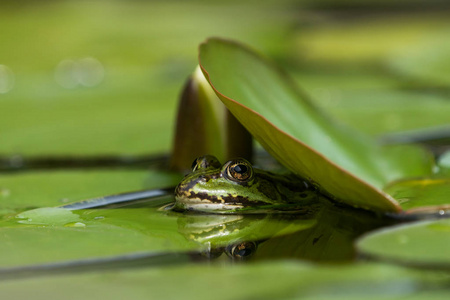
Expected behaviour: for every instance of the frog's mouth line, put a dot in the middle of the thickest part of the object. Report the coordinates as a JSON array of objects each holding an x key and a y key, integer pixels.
[
  {"x": 206, "y": 206},
  {"x": 190, "y": 203}
]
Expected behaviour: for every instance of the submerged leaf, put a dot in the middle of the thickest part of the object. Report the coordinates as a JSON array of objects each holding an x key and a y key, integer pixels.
[
  {"x": 50, "y": 216},
  {"x": 344, "y": 164}
]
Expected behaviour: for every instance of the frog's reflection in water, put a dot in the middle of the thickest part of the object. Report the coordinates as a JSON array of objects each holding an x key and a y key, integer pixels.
[{"x": 323, "y": 232}]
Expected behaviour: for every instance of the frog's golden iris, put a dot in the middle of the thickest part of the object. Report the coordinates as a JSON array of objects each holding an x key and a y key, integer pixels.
[{"x": 237, "y": 187}]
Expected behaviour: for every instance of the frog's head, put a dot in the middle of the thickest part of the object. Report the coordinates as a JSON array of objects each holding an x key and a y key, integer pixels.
[{"x": 229, "y": 188}]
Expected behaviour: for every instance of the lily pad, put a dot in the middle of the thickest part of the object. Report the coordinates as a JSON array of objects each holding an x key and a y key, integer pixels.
[
  {"x": 344, "y": 164},
  {"x": 293, "y": 280},
  {"x": 428, "y": 60},
  {"x": 48, "y": 234},
  {"x": 56, "y": 235},
  {"x": 51, "y": 235},
  {"x": 24, "y": 191},
  {"x": 422, "y": 196},
  {"x": 418, "y": 244},
  {"x": 374, "y": 40}
]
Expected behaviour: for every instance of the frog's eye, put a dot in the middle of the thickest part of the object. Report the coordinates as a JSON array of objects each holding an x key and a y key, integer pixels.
[
  {"x": 203, "y": 162},
  {"x": 242, "y": 250},
  {"x": 239, "y": 170}
]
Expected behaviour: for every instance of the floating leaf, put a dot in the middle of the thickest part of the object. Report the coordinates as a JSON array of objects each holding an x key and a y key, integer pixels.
[
  {"x": 428, "y": 60},
  {"x": 344, "y": 164},
  {"x": 372, "y": 41},
  {"x": 421, "y": 196},
  {"x": 418, "y": 244},
  {"x": 28, "y": 190},
  {"x": 48, "y": 234},
  {"x": 51, "y": 235},
  {"x": 293, "y": 280}
]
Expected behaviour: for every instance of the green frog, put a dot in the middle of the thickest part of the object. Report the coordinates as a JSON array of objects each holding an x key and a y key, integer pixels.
[{"x": 237, "y": 187}]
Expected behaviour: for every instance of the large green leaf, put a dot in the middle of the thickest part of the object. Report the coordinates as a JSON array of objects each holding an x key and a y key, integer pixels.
[
  {"x": 418, "y": 244},
  {"x": 343, "y": 163},
  {"x": 269, "y": 280}
]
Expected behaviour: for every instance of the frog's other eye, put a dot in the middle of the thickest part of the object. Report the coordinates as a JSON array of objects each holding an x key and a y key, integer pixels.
[
  {"x": 204, "y": 162},
  {"x": 238, "y": 170}
]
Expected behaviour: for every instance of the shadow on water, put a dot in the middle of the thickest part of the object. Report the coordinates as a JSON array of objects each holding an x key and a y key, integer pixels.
[{"x": 325, "y": 233}]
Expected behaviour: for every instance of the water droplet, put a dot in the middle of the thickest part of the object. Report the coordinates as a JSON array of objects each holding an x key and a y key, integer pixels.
[
  {"x": 64, "y": 200},
  {"x": 24, "y": 220},
  {"x": 75, "y": 224},
  {"x": 6, "y": 79},
  {"x": 403, "y": 200},
  {"x": 99, "y": 218},
  {"x": 444, "y": 160}
]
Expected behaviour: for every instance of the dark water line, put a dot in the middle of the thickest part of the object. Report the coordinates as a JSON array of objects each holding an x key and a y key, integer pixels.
[
  {"x": 120, "y": 198},
  {"x": 18, "y": 163},
  {"x": 121, "y": 262}
]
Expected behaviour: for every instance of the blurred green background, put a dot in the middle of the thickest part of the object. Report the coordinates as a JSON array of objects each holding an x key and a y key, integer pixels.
[
  {"x": 100, "y": 78},
  {"x": 85, "y": 78}
]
